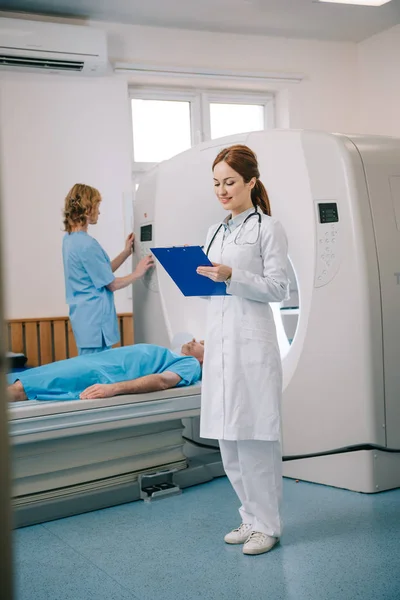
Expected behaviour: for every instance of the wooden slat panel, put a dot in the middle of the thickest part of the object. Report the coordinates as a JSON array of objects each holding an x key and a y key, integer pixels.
[
  {"x": 46, "y": 343},
  {"x": 16, "y": 337},
  {"x": 72, "y": 349},
  {"x": 127, "y": 328},
  {"x": 60, "y": 342},
  {"x": 54, "y": 343},
  {"x": 31, "y": 344}
]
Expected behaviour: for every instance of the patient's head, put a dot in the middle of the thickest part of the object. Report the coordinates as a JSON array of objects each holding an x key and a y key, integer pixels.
[{"x": 195, "y": 349}]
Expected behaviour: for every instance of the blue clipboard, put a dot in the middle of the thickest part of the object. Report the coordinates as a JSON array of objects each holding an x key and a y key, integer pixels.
[{"x": 181, "y": 263}]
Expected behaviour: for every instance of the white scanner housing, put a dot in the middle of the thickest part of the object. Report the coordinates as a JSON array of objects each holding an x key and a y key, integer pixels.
[{"x": 338, "y": 198}]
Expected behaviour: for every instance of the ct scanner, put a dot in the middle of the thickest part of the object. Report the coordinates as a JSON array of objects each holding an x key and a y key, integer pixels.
[{"x": 338, "y": 198}]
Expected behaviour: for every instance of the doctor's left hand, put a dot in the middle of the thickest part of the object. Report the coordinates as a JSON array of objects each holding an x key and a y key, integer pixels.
[
  {"x": 216, "y": 272},
  {"x": 99, "y": 390}
]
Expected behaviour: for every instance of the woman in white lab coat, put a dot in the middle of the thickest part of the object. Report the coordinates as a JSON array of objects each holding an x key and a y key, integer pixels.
[{"x": 242, "y": 374}]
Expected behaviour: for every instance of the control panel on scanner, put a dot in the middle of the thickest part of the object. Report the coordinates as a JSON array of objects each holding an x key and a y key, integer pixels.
[
  {"x": 146, "y": 242},
  {"x": 328, "y": 245}
]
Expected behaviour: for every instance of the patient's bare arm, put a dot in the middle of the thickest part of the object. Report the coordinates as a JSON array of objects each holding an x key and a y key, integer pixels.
[
  {"x": 149, "y": 383},
  {"x": 16, "y": 392}
]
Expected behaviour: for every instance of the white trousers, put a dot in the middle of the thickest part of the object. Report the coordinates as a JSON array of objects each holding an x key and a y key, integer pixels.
[{"x": 254, "y": 469}]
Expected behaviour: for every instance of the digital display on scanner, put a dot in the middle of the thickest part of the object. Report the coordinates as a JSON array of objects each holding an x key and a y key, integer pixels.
[
  {"x": 328, "y": 212},
  {"x": 146, "y": 233}
]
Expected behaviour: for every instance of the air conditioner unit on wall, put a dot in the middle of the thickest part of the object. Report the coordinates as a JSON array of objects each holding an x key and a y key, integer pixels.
[{"x": 52, "y": 47}]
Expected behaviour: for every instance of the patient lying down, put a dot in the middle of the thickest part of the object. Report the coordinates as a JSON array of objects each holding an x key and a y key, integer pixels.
[{"x": 128, "y": 370}]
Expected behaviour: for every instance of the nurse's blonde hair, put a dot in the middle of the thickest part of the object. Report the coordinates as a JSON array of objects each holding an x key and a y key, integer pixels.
[
  {"x": 244, "y": 161},
  {"x": 79, "y": 203}
]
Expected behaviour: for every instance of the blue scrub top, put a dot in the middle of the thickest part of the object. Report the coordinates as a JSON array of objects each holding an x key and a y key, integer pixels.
[
  {"x": 87, "y": 272},
  {"x": 67, "y": 379}
]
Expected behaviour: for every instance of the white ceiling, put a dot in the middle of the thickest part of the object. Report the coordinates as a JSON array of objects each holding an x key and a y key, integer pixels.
[{"x": 288, "y": 18}]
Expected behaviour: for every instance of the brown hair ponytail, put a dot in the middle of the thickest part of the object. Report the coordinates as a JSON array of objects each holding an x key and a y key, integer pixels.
[
  {"x": 244, "y": 161},
  {"x": 259, "y": 198}
]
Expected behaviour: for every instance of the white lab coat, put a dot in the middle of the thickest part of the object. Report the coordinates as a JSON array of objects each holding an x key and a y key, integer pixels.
[{"x": 242, "y": 373}]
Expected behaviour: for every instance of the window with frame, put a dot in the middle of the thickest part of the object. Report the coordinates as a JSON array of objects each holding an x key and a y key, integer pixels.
[{"x": 167, "y": 122}]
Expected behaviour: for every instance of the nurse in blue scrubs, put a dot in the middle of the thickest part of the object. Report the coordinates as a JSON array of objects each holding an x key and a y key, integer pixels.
[{"x": 89, "y": 273}]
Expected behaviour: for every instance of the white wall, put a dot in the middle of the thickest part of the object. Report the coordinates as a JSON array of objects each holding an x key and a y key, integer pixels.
[
  {"x": 324, "y": 100},
  {"x": 56, "y": 131},
  {"x": 379, "y": 83}
]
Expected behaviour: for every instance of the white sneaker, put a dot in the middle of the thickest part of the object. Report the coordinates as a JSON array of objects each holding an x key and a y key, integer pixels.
[
  {"x": 258, "y": 543},
  {"x": 239, "y": 535}
]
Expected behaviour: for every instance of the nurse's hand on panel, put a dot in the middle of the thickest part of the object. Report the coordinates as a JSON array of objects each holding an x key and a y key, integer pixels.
[
  {"x": 125, "y": 254},
  {"x": 216, "y": 272},
  {"x": 129, "y": 244},
  {"x": 144, "y": 265}
]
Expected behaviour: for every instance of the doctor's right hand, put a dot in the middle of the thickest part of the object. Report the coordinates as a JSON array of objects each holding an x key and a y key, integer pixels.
[
  {"x": 216, "y": 273},
  {"x": 143, "y": 266}
]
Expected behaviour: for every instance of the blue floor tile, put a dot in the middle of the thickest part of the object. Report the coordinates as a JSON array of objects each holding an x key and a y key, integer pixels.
[
  {"x": 337, "y": 545},
  {"x": 48, "y": 569}
]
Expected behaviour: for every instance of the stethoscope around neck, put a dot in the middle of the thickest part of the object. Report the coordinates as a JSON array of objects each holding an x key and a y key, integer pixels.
[{"x": 255, "y": 213}]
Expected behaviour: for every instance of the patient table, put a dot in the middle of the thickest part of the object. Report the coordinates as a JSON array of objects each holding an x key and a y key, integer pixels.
[{"x": 75, "y": 456}]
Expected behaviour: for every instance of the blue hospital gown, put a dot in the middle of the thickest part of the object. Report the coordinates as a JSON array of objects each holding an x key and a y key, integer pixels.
[
  {"x": 67, "y": 379},
  {"x": 87, "y": 271}
]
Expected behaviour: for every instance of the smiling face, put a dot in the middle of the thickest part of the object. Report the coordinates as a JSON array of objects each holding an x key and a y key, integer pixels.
[
  {"x": 231, "y": 189},
  {"x": 195, "y": 349}
]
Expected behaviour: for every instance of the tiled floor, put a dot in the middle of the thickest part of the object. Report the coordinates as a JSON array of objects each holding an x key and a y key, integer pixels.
[{"x": 337, "y": 545}]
